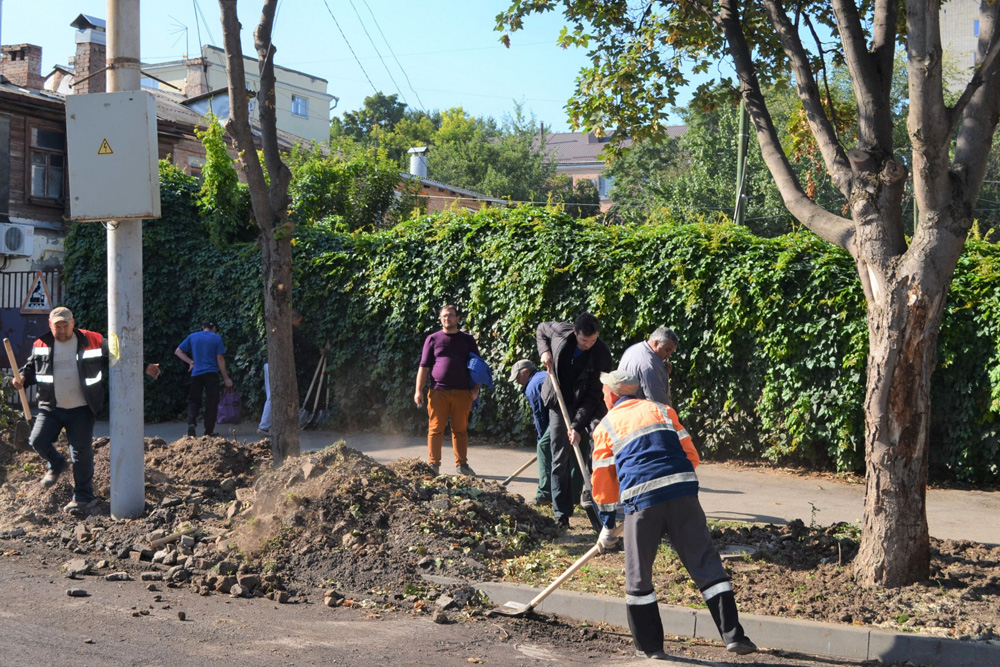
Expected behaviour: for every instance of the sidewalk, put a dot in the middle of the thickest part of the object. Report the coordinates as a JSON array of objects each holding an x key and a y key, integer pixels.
[{"x": 727, "y": 492}]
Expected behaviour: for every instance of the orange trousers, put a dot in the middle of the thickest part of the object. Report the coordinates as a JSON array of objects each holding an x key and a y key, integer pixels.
[{"x": 442, "y": 405}]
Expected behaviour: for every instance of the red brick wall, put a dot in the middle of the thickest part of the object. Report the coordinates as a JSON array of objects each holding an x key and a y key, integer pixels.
[
  {"x": 22, "y": 65},
  {"x": 90, "y": 59}
]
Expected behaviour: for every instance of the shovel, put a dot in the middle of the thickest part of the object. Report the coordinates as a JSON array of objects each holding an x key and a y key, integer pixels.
[
  {"x": 304, "y": 412},
  {"x": 317, "y": 415},
  {"x": 519, "y": 609},
  {"x": 519, "y": 470},
  {"x": 588, "y": 489},
  {"x": 22, "y": 427}
]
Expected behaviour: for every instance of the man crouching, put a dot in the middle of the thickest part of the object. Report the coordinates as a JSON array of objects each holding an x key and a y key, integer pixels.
[{"x": 644, "y": 459}]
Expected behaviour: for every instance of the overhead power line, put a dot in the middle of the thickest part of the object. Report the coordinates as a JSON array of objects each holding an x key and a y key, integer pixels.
[
  {"x": 393, "y": 53},
  {"x": 337, "y": 23},
  {"x": 368, "y": 35}
]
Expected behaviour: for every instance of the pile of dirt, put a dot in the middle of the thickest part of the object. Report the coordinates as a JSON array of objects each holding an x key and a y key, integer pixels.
[{"x": 333, "y": 519}]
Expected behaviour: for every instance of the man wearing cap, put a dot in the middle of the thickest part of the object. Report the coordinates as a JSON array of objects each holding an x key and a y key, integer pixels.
[
  {"x": 67, "y": 364},
  {"x": 527, "y": 375},
  {"x": 444, "y": 361},
  {"x": 203, "y": 352},
  {"x": 645, "y": 460},
  {"x": 575, "y": 355},
  {"x": 649, "y": 360}
]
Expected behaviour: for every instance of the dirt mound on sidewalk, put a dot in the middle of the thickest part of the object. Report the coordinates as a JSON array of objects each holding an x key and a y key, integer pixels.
[{"x": 334, "y": 518}]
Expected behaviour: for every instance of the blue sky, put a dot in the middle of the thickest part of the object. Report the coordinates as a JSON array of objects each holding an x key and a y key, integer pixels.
[{"x": 449, "y": 52}]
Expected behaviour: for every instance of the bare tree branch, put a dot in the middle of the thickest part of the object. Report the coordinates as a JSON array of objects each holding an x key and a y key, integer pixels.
[
  {"x": 987, "y": 69},
  {"x": 238, "y": 123},
  {"x": 824, "y": 224},
  {"x": 831, "y": 108},
  {"x": 822, "y": 128},
  {"x": 928, "y": 123},
  {"x": 980, "y": 106},
  {"x": 870, "y": 91}
]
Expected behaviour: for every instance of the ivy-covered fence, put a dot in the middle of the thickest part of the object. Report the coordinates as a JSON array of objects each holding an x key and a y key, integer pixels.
[{"x": 773, "y": 341}]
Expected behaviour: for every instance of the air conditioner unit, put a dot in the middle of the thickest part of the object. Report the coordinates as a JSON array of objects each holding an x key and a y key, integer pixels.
[{"x": 16, "y": 239}]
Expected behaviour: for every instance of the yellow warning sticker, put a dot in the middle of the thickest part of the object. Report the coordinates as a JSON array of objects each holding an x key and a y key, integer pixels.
[{"x": 105, "y": 148}]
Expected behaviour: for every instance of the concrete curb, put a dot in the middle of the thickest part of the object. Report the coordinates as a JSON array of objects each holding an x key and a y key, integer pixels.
[{"x": 811, "y": 637}]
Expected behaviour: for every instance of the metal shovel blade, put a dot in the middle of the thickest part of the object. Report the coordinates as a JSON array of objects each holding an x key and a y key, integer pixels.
[
  {"x": 22, "y": 434},
  {"x": 513, "y": 609},
  {"x": 521, "y": 609}
]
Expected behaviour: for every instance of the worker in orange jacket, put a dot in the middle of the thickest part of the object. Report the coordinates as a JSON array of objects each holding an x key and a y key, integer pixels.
[{"x": 644, "y": 460}]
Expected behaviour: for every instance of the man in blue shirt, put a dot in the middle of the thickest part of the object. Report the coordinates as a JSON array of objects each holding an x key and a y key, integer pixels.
[
  {"x": 531, "y": 380},
  {"x": 203, "y": 352}
]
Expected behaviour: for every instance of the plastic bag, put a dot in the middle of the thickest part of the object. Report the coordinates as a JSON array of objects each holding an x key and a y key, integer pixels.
[{"x": 230, "y": 410}]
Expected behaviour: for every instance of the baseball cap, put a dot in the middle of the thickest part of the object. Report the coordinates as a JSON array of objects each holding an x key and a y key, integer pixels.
[
  {"x": 621, "y": 382},
  {"x": 520, "y": 366},
  {"x": 61, "y": 314}
]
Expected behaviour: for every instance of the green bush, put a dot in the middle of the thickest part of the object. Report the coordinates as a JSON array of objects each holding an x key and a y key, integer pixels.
[{"x": 773, "y": 347}]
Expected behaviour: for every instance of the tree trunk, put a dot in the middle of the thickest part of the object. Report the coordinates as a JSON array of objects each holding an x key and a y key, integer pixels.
[
  {"x": 269, "y": 201},
  {"x": 903, "y": 322},
  {"x": 276, "y": 257}
]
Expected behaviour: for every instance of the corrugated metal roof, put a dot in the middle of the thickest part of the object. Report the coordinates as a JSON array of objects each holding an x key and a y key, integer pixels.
[
  {"x": 451, "y": 188},
  {"x": 584, "y": 147}
]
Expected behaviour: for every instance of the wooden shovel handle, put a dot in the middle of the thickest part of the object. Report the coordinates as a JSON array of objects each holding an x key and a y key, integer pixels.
[{"x": 13, "y": 368}]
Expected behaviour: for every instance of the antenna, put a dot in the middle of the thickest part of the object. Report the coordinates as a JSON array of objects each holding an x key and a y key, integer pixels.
[{"x": 180, "y": 28}]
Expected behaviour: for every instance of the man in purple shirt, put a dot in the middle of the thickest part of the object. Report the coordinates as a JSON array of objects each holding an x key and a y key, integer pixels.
[{"x": 445, "y": 361}]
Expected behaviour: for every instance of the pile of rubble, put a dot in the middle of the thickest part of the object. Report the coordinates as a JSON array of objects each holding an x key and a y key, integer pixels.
[{"x": 335, "y": 522}]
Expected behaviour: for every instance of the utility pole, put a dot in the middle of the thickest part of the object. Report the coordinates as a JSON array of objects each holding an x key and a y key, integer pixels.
[
  {"x": 740, "y": 210},
  {"x": 128, "y": 494}
]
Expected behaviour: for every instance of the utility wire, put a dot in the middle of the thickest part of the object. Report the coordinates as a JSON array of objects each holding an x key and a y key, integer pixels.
[
  {"x": 337, "y": 23},
  {"x": 368, "y": 35},
  {"x": 393, "y": 53},
  {"x": 211, "y": 37}
]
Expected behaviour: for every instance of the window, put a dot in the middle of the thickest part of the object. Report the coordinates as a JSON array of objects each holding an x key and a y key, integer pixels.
[
  {"x": 300, "y": 106},
  {"x": 48, "y": 163},
  {"x": 604, "y": 185}
]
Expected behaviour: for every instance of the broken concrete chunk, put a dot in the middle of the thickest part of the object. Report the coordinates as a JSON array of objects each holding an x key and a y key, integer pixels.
[{"x": 77, "y": 567}]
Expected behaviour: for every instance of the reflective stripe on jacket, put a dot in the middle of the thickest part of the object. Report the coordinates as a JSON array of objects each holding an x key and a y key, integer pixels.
[
  {"x": 90, "y": 360},
  {"x": 642, "y": 456}
]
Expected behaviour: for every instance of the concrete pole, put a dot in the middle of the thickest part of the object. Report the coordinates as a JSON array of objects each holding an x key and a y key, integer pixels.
[
  {"x": 128, "y": 496},
  {"x": 740, "y": 210}
]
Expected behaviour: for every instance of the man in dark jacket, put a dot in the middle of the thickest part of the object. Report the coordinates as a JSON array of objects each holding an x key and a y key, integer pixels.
[{"x": 577, "y": 357}]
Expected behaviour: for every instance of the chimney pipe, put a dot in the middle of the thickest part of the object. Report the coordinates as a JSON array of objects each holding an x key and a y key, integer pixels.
[
  {"x": 22, "y": 65},
  {"x": 91, "y": 55},
  {"x": 418, "y": 161}
]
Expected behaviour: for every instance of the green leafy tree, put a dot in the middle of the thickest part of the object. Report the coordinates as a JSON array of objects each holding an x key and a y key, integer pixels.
[
  {"x": 379, "y": 111},
  {"x": 360, "y": 188},
  {"x": 223, "y": 201},
  {"x": 501, "y": 161},
  {"x": 640, "y": 56}
]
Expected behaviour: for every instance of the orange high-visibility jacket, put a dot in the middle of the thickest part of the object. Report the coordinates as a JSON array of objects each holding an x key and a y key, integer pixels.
[{"x": 642, "y": 456}]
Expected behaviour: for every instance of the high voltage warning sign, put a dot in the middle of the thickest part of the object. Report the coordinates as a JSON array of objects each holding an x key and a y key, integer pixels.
[{"x": 105, "y": 148}]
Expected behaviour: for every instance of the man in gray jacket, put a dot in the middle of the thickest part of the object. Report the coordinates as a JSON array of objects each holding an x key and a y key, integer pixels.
[{"x": 650, "y": 362}]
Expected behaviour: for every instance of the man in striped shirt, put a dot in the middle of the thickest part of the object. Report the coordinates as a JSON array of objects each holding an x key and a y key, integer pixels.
[{"x": 645, "y": 460}]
